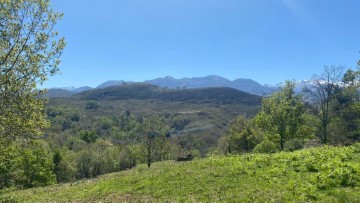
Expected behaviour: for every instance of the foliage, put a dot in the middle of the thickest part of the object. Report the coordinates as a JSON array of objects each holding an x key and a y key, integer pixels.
[
  {"x": 154, "y": 143},
  {"x": 346, "y": 110},
  {"x": 294, "y": 144},
  {"x": 87, "y": 136},
  {"x": 64, "y": 169},
  {"x": 266, "y": 146},
  {"x": 242, "y": 136},
  {"x": 324, "y": 174},
  {"x": 283, "y": 116},
  {"x": 179, "y": 123},
  {"x": 30, "y": 49},
  {"x": 26, "y": 165},
  {"x": 321, "y": 96},
  {"x": 91, "y": 105}
]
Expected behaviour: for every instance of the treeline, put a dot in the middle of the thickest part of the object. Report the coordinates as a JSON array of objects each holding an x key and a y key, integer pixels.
[
  {"x": 76, "y": 146},
  {"x": 110, "y": 143},
  {"x": 325, "y": 112}
]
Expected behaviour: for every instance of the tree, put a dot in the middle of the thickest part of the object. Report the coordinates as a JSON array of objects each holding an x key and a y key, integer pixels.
[
  {"x": 283, "y": 116},
  {"x": 321, "y": 94},
  {"x": 92, "y": 105},
  {"x": 347, "y": 108},
  {"x": 154, "y": 141},
  {"x": 26, "y": 166},
  {"x": 89, "y": 136},
  {"x": 30, "y": 51},
  {"x": 242, "y": 136}
]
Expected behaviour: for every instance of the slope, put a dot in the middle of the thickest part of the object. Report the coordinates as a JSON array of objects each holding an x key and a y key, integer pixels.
[{"x": 324, "y": 174}]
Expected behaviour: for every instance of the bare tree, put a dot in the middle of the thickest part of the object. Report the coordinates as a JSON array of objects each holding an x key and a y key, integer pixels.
[{"x": 320, "y": 95}]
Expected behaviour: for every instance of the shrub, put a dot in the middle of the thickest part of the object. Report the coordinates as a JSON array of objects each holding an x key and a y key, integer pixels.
[
  {"x": 91, "y": 105},
  {"x": 294, "y": 144},
  {"x": 266, "y": 146}
]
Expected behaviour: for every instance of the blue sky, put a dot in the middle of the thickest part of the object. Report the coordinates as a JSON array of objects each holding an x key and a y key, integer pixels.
[{"x": 268, "y": 41}]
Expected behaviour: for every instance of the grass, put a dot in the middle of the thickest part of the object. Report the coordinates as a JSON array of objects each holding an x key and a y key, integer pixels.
[{"x": 324, "y": 174}]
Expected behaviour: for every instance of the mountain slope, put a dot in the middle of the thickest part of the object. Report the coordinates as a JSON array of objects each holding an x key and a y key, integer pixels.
[
  {"x": 168, "y": 82},
  {"x": 246, "y": 85},
  {"x": 58, "y": 92},
  {"x": 143, "y": 91},
  {"x": 82, "y": 89},
  {"x": 110, "y": 83}
]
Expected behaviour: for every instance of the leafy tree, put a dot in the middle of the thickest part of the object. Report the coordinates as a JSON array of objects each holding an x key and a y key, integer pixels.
[
  {"x": 30, "y": 51},
  {"x": 92, "y": 105},
  {"x": 347, "y": 109},
  {"x": 57, "y": 159},
  {"x": 128, "y": 156},
  {"x": 179, "y": 123},
  {"x": 283, "y": 116},
  {"x": 154, "y": 139},
  {"x": 242, "y": 136},
  {"x": 321, "y": 96},
  {"x": 35, "y": 168},
  {"x": 85, "y": 164},
  {"x": 63, "y": 168},
  {"x": 7, "y": 165},
  {"x": 26, "y": 165},
  {"x": 88, "y": 136}
]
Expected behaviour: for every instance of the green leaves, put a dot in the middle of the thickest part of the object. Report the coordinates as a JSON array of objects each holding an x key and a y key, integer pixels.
[
  {"x": 283, "y": 116},
  {"x": 154, "y": 144},
  {"x": 26, "y": 166},
  {"x": 29, "y": 52}
]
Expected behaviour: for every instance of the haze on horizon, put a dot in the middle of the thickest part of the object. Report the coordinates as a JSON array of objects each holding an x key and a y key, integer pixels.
[{"x": 268, "y": 41}]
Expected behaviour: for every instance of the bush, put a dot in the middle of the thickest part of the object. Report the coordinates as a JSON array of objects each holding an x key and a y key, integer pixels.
[
  {"x": 88, "y": 136},
  {"x": 25, "y": 166},
  {"x": 91, "y": 105},
  {"x": 294, "y": 144},
  {"x": 266, "y": 146}
]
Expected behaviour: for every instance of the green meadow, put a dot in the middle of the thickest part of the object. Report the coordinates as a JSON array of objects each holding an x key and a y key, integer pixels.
[{"x": 322, "y": 174}]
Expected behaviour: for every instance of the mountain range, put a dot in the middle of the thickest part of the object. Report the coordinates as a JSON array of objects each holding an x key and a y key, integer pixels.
[
  {"x": 144, "y": 91},
  {"x": 168, "y": 82}
]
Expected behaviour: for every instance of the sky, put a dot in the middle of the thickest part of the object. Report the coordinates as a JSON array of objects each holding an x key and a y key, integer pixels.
[{"x": 269, "y": 41}]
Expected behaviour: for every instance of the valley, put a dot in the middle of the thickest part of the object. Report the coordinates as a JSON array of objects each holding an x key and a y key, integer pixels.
[{"x": 208, "y": 111}]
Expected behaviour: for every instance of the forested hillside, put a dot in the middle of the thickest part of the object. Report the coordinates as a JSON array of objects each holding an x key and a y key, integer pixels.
[{"x": 111, "y": 121}]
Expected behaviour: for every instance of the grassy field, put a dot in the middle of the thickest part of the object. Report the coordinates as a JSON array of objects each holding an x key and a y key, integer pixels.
[{"x": 325, "y": 174}]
